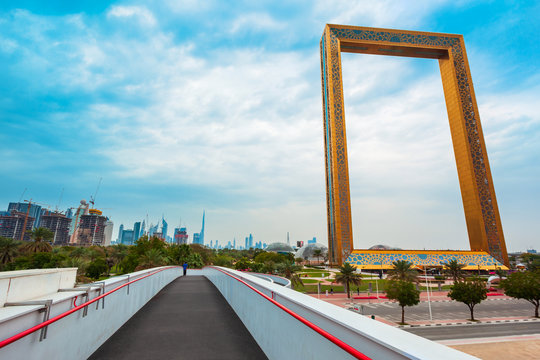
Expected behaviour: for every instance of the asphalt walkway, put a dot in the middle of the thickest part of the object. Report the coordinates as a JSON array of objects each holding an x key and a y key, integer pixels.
[{"x": 188, "y": 319}]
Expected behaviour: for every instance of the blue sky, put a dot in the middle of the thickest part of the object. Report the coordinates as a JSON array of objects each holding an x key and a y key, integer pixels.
[{"x": 182, "y": 106}]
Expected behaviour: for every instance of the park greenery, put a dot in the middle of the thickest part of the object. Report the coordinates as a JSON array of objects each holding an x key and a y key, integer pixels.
[
  {"x": 99, "y": 262},
  {"x": 470, "y": 292}
]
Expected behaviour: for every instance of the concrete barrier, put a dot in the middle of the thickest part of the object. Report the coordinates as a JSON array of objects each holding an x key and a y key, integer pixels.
[{"x": 281, "y": 336}]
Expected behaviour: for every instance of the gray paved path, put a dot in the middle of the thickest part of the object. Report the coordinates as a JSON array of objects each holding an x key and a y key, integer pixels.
[{"x": 188, "y": 319}]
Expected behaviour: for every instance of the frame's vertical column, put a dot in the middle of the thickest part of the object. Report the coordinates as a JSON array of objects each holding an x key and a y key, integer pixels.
[
  {"x": 340, "y": 243},
  {"x": 478, "y": 193}
]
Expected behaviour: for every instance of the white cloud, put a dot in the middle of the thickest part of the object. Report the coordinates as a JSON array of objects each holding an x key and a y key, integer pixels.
[
  {"x": 142, "y": 14},
  {"x": 256, "y": 22}
]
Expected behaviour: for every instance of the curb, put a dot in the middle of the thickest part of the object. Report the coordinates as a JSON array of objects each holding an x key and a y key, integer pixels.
[{"x": 468, "y": 323}]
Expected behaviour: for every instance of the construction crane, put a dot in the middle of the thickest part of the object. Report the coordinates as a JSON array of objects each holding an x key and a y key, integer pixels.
[{"x": 93, "y": 198}]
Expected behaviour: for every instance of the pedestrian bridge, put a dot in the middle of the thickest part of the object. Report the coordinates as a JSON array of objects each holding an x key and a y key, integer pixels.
[{"x": 213, "y": 313}]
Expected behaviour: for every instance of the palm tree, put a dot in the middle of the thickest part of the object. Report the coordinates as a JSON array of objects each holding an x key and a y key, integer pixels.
[
  {"x": 118, "y": 253},
  {"x": 454, "y": 270},
  {"x": 318, "y": 254},
  {"x": 152, "y": 258},
  {"x": 41, "y": 237},
  {"x": 347, "y": 275},
  {"x": 8, "y": 250},
  {"x": 403, "y": 270},
  {"x": 288, "y": 270}
]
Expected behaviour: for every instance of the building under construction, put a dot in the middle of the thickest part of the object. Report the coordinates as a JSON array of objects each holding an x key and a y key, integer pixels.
[
  {"x": 91, "y": 229},
  {"x": 59, "y": 224},
  {"x": 12, "y": 224}
]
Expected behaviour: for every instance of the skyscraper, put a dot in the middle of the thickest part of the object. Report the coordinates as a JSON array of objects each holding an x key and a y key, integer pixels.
[
  {"x": 109, "y": 225},
  {"x": 59, "y": 224},
  {"x": 136, "y": 231},
  {"x": 250, "y": 241},
  {"x": 201, "y": 234},
  {"x": 91, "y": 229},
  {"x": 120, "y": 230},
  {"x": 12, "y": 223},
  {"x": 164, "y": 227},
  {"x": 180, "y": 236}
]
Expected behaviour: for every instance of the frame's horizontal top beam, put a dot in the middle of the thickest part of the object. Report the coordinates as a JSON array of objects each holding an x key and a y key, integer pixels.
[{"x": 393, "y": 50}]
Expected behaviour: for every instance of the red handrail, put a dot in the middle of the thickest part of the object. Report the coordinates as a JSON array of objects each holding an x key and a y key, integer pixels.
[
  {"x": 357, "y": 354},
  {"x": 71, "y": 311}
]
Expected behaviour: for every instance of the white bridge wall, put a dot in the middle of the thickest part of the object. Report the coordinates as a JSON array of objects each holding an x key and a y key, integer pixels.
[
  {"x": 75, "y": 336},
  {"x": 281, "y": 336}
]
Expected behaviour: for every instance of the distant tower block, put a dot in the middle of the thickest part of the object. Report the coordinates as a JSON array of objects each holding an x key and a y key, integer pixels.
[{"x": 477, "y": 191}]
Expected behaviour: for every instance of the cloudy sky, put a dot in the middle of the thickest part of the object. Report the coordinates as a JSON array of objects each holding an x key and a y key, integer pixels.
[{"x": 188, "y": 105}]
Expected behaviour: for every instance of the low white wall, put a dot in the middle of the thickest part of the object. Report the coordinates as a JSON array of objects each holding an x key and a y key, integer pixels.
[
  {"x": 281, "y": 336},
  {"x": 75, "y": 336},
  {"x": 24, "y": 285}
]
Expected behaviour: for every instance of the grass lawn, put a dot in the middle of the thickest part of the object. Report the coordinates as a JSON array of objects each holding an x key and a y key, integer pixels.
[
  {"x": 312, "y": 289},
  {"x": 314, "y": 274},
  {"x": 310, "y": 281}
]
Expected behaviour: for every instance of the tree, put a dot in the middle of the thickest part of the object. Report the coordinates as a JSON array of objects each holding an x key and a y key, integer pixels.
[
  {"x": 243, "y": 264},
  {"x": 317, "y": 253},
  {"x": 524, "y": 285},
  {"x": 404, "y": 293},
  {"x": 289, "y": 270},
  {"x": 347, "y": 275},
  {"x": 404, "y": 271},
  {"x": 96, "y": 268},
  {"x": 8, "y": 250},
  {"x": 470, "y": 293},
  {"x": 40, "y": 244},
  {"x": 454, "y": 270}
]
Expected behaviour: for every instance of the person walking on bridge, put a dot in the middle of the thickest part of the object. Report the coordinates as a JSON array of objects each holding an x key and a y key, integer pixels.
[{"x": 185, "y": 267}]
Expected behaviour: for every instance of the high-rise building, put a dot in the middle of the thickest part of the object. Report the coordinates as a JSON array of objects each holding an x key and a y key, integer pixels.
[
  {"x": 120, "y": 230},
  {"x": 250, "y": 241},
  {"x": 136, "y": 231},
  {"x": 127, "y": 237},
  {"x": 313, "y": 241},
  {"x": 91, "y": 229},
  {"x": 164, "y": 227},
  {"x": 109, "y": 225},
  {"x": 59, "y": 224},
  {"x": 201, "y": 234},
  {"x": 196, "y": 238},
  {"x": 12, "y": 223},
  {"x": 22, "y": 207},
  {"x": 234, "y": 243},
  {"x": 180, "y": 236},
  {"x": 152, "y": 229},
  {"x": 143, "y": 229}
]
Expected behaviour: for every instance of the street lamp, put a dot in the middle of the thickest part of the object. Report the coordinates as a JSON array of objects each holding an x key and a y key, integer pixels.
[{"x": 428, "y": 296}]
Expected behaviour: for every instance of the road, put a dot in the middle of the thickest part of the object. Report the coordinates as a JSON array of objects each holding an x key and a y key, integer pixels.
[
  {"x": 451, "y": 310},
  {"x": 475, "y": 331}
]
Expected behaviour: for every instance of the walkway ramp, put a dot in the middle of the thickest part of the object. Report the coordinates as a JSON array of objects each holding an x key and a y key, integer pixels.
[{"x": 188, "y": 319}]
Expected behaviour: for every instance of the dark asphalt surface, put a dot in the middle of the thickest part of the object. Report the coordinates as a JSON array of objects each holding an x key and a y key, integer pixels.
[
  {"x": 188, "y": 319},
  {"x": 476, "y": 330}
]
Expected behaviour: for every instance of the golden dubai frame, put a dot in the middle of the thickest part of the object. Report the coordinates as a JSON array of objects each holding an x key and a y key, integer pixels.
[{"x": 477, "y": 191}]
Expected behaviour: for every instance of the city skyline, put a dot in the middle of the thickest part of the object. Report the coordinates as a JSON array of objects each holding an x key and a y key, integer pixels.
[{"x": 192, "y": 106}]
